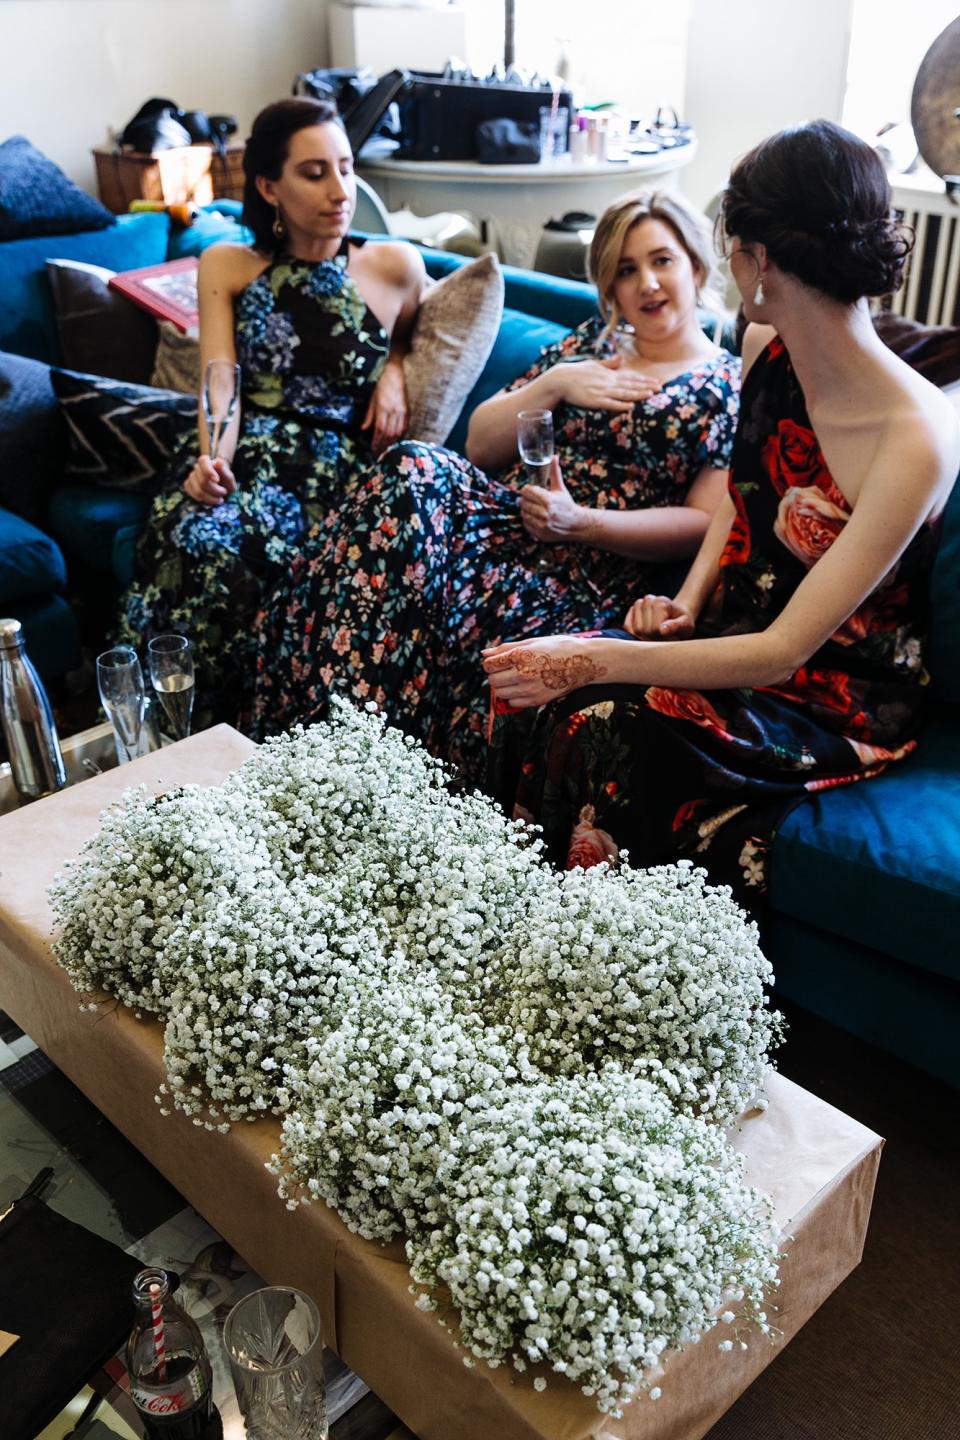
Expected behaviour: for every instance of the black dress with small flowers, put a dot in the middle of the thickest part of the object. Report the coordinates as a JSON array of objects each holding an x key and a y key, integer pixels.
[
  {"x": 669, "y": 773},
  {"x": 311, "y": 352},
  {"x": 430, "y": 562}
]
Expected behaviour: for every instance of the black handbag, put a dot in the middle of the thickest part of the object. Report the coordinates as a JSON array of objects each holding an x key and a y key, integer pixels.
[{"x": 161, "y": 125}]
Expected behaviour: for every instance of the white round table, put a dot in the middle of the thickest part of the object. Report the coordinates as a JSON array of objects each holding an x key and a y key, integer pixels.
[{"x": 516, "y": 200}]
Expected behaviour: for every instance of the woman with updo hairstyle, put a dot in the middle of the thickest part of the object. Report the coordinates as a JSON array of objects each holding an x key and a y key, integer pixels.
[
  {"x": 318, "y": 322},
  {"x": 792, "y": 657},
  {"x": 438, "y": 556}
]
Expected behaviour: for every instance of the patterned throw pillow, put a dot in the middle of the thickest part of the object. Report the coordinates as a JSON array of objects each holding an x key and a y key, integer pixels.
[
  {"x": 121, "y": 435},
  {"x": 177, "y": 364},
  {"x": 36, "y": 198},
  {"x": 455, "y": 330}
]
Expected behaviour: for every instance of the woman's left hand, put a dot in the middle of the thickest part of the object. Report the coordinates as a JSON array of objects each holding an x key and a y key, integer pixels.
[
  {"x": 550, "y": 513},
  {"x": 387, "y": 412},
  {"x": 533, "y": 672}
]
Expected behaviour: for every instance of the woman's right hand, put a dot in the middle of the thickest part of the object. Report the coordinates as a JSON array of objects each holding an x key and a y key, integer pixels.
[
  {"x": 210, "y": 481},
  {"x": 657, "y": 617},
  {"x": 602, "y": 384}
]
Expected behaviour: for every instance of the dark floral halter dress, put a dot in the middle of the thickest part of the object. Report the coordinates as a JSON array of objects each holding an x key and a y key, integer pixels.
[
  {"x": 311, "y": 352},
  {"x": 429, "y": 562},
  {"x": 668, "y": 773}
]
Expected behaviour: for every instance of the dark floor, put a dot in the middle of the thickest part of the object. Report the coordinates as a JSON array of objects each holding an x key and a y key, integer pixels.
[{"x": 879, "y": 1361}]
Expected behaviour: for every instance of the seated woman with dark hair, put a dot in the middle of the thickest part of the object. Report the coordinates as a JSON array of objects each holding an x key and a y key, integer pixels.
[
  {"x": 318, "y": 322},
  {"x": 792, "y": 657},
  {"x": 433, "y": 558}
]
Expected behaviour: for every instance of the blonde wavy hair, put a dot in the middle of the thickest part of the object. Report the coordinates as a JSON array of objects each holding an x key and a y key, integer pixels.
[{"x": 692, "y": 230}]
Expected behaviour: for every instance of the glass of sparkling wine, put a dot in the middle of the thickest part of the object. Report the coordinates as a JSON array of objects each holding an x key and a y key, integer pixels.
[
  {"x": 171, "y": 674},
  {"x": 122, "y": 694},
  {"x": 535, "y": 443},
  {"x": 221, "y": 389}
]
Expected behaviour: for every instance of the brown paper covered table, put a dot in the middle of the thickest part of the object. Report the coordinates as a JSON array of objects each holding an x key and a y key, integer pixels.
[{"x": 818, "y": 1165}]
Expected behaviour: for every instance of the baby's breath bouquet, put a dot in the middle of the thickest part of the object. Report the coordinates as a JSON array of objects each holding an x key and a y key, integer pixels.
[{"x": 523, "y": 1072}]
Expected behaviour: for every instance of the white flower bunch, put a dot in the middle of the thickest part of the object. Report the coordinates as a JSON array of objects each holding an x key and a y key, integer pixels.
[
  {"x": 587, "y": 1225},
  {"x": 513, "y": 1068}
]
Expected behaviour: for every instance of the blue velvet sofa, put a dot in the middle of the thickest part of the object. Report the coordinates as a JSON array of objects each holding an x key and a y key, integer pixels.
[{"x": 865, "y": 880}]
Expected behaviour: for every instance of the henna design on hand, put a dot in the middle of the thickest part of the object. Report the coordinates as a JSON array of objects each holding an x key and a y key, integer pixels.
[{"x": 564, "y": 672}]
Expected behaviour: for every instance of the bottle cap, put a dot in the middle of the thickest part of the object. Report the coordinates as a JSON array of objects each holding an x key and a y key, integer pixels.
[{"x": 10, "y": 635}]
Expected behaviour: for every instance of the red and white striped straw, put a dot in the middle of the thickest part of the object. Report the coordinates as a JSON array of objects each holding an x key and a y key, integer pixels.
[{"x": 159, "y": 1340}]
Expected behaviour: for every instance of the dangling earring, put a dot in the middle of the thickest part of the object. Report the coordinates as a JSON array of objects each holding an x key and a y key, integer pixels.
[
  {"x": 279, "y": 229},
  {"x": 759, "y": 297}
]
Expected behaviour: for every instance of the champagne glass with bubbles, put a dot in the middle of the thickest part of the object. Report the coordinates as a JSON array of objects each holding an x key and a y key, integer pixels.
[
  {"x": 221, "y": 390},
  {"x": 122, "y": 694},
  {"x": 172, "y": 677}
]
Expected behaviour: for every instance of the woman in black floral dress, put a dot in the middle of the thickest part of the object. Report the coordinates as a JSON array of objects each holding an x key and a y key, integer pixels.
[
  {"x": 792, "y": 657},
  {"x": 433, "y": 558},
  {"x": 315, "y": 322}
]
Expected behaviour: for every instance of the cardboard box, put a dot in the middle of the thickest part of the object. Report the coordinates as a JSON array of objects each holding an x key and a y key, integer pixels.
[
  {"x": 818, "y": 1165},
  {"x": 187, "y": 173}
]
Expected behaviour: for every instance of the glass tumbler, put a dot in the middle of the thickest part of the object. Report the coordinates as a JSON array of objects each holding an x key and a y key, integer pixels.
[{"x": 275, "y": 1348}]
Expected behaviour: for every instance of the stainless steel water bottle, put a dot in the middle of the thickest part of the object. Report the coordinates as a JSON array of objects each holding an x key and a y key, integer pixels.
[{"x": 28, "y": 729}]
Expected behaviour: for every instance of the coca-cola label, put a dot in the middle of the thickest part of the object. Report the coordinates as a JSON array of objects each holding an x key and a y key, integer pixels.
[{"x": 172, "y": 1398}]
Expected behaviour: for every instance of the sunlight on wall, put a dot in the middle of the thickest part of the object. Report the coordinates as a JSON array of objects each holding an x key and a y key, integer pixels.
[{"x": 632, "y": 53}]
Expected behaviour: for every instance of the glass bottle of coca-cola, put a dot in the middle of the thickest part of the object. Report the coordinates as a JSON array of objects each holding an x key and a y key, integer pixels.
[{"x": 169, "y": 1367}]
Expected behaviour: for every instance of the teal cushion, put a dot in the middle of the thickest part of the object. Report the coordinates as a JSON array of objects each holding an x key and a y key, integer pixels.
[
  {"x": 945, "y": 603},
  {"x": 27, "y": 322},
  {"x": 89, "y": 521},
  {"x": 30, "y": 562},
  {"x": 519, "y": 343},
  {"x": 210, "y": 226},
  {"x": 879, "y": 862},
  {"x": 907, "y": 1011}
]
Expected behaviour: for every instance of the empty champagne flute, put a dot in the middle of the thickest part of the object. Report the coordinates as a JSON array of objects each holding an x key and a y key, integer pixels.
[
  {"x": 122, "y": 694},
  {"x": 221, "y": 390},
  {"x": 535, "y": 443},
  {"x": 170, "y": 658}
]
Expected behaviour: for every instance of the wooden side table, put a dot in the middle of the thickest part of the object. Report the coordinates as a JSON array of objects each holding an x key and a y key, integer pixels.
[{"x": 194, "y": 173}]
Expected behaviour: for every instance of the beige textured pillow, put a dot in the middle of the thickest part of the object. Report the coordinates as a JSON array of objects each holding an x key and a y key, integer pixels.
[
  {"x": 177, "y": 362},
  {"x": 454, "y": 332}
]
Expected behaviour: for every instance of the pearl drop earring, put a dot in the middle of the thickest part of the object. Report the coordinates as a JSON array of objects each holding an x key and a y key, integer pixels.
[{"x": 759, "y": 296}]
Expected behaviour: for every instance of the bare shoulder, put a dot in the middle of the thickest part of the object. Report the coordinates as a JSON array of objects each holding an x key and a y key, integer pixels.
[
  {"x": 921, "y": 437},
  {"x": 397, "y": 263},
  {"x": 229, "y": 266},
  {"x": 756, "y": 338}
]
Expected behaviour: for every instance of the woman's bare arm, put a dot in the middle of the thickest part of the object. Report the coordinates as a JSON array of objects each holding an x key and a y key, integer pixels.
[
  {"x": 907, "y": 483},
  {"x": 589, "y": 383}
]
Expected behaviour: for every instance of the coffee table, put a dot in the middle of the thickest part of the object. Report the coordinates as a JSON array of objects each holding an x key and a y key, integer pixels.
[{"x": 818, "y": 1165}]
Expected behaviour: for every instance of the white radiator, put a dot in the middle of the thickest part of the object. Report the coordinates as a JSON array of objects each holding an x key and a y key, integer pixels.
[{"x": 931, "y": 291}]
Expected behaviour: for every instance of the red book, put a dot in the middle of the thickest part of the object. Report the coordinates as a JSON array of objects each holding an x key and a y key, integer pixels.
[{"x": 168, "y": 291}]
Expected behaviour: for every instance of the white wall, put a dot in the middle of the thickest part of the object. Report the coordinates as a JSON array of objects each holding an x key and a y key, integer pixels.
[
  {"x": 70, "y": 69},
  {"x": 754, "y": 67}
]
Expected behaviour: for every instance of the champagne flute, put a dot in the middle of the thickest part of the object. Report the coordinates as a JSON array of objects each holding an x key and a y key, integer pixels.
[
  {"x": 122, "y": 694},
  {"x": 221, "y": 390},
  {"x": 170, "y": 659},
  {"x": 535, "y": 443}
]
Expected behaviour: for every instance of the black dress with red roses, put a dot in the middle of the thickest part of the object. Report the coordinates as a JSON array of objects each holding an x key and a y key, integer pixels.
[{"x": 671, "y": 773}]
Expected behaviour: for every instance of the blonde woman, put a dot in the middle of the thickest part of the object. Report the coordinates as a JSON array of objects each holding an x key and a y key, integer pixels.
[
  {"x": 438, "y": 557},
  {"x": 791, "y": 659}
]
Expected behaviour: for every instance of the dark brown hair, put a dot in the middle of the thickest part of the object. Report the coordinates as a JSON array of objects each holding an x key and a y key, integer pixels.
[
  {"x": 818, "y": 198},
  {"x": 266, "y": 153}
]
